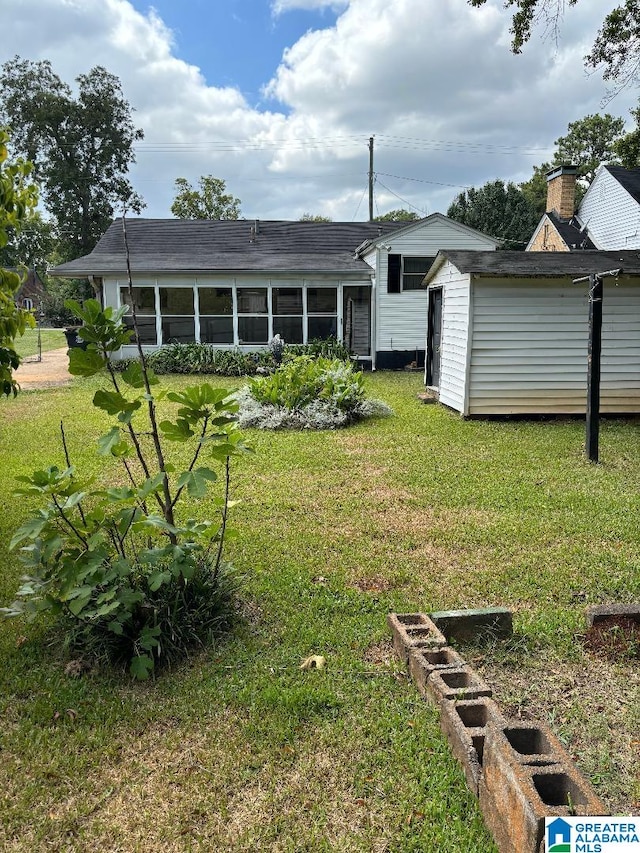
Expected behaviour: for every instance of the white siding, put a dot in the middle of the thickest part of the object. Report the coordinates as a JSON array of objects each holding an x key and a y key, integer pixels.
[
  {"x": 402, "y": 317},
  {"x": 610, "y": 214},
  {"x": 529, "y": 348},
  {"x": 456, "y": 306}
]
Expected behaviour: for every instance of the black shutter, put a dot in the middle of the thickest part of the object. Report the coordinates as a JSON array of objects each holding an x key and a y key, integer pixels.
[{"x": 393, "y": 273}]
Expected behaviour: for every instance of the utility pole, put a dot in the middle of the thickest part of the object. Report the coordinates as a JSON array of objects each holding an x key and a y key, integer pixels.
[
  {"x": 594, "y": 358},
  {"x": 371, "y": 179}
]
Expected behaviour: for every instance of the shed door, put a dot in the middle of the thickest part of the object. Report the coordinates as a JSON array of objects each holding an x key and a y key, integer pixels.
[{"x": 434, "y": 337}]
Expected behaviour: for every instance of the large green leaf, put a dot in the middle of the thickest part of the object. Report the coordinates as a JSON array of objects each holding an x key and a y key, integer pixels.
[
  {"x": 196, "y": 481},
  {"x": 177, "y": 430},
  {"x": 113, "y": 403},
  {"x": 109, "y": 441},
  {"x": 141, "y": 667},
  {"x": 85, "y": 362},
  {"x": 134, "y": 375}
]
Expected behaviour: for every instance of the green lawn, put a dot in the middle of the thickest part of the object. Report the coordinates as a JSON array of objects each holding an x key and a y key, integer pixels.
[
  {"x": 27, "y": 344},
  {"x": 240, "y": 750}
]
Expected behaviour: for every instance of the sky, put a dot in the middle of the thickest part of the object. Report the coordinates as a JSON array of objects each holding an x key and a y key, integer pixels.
[{"x": 280, "y": 97}]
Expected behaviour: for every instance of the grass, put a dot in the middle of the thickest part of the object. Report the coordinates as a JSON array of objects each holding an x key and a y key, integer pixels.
[
  {"x": 240, "y": 750},
  {"x": 27, "y": 345}
]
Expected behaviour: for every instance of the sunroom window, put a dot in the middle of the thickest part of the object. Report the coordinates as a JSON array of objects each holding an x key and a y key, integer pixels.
[
  {"x": 322, "y": 312},
  {"x": 144, "y": 302},
  {"x": 216, "y": 315},
  {"x": 177, "y": 315},
  {"x": 253, "y": 317},
  {"x": 287, "y": 313}
]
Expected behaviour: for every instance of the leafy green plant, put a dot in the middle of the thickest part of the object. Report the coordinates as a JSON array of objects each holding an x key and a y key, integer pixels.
[
  {"x": 308, "y": 393},
  {"x": 120, "y": 562}
]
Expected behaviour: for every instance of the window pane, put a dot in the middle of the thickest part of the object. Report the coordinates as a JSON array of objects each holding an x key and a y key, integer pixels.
[
  {"x": 215, "y": 300},
  {"x": 216, "y": 330},
  {"x": 252, "y": 300},
  {"x": 322, "y": 300},
  {"x": 146, "y": 327},
  {"x": 176, "y": 300},
  {"x": 415, "y": 270},
  {"x": 253, "y": 330},
  {"x": 178, "y": 330},
  {"x": 289, "y": 329},
  {"x": 322, "y": 327},
  {"x": 287, "y": 300},
  {"x": 144, "y": 299}
]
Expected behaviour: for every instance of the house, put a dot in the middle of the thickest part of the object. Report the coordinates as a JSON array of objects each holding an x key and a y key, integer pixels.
[
  {"x": 608, "y": 216},
  {"x": 237, "y": 283},
  {"x": 507, "y": 332},
  {"x": 31, "y": 293}
]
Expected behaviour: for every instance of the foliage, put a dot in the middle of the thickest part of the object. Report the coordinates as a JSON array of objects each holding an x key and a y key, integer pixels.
[
  {"x": 307, "y": 393},
  {"x": 81, "y": 146},
  {"x": 197, "y": 358},
  {"x": 617, "y": 45},
  {"x": 32, "y": 245},
  {"x": 315, "y": 217},
  {"x": 399, "y": 215},
  {"x": 17, "y": 199},
  {"x": 500, "y": 210},
  {"x": 588, "y": 143},
  {"x": 59, "y": 291},
  {"x": 208, "y": 202},
  {"x": 628, "y": 147},
  {"x": 118, "y": 560}
]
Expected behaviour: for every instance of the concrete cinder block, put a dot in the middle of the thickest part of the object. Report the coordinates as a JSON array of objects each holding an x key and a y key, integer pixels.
[
  {"x": 603, "y": 612},
  {"x": 459, "y": 683},
  {"x": 424, "y": 661},
  {"x": 469, "y": 625},
  {"x": 516, "y": 796},
  {"x": 413, "y": 631},
  {"x": 464, "y": 724}
]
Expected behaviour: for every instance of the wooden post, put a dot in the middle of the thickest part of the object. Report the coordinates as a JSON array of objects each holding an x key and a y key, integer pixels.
[
  {"x": 596, "y": 292},
  {"x": 371, "y": 179}
]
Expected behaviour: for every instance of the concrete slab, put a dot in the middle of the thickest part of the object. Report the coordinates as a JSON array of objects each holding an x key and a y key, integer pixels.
[{"x": 470, "y": 625}]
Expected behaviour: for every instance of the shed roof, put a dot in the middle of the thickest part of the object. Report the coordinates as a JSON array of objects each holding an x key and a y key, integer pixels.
[
  {"x": 181, "y": 245},
  {"x": 536, "y": 264}
]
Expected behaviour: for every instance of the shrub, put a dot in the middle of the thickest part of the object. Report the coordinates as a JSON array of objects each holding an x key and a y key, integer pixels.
[
  {"x": 307, "y": 393},
  {"x": 122, "y": 567}
]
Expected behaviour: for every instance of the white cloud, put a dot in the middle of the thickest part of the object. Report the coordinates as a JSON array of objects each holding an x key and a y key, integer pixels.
[
  {"x": 281, "y": 6},
  {"x": 434, "y": 82}
]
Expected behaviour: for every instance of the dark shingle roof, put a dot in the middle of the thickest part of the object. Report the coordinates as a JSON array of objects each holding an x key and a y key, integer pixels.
[
  {"x": 537, "y": 264},
  {"x": 628, "y": 178},
  {"x": 158, "y": 245},
  {"x": 571, "y": 232}
]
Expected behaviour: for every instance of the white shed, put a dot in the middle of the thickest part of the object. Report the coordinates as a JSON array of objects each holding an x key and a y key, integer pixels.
[{"x": 507, "y": 332}]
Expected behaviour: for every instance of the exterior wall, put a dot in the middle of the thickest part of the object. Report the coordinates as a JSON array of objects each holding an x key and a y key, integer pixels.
[
  {"x": 454, "y": 346},
  {"x": 402, "y": 317},
  {"x": 112, "y": 285},
  {"x": 547, "y": 239},
  {"x": 610, "y": 214},
  {"x": 529, "y": 348}
]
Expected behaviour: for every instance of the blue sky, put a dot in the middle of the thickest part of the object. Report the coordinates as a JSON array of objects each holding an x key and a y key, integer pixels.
[
  {"x": 279, "y": 97},
  {"x": 235, "y": 42}
]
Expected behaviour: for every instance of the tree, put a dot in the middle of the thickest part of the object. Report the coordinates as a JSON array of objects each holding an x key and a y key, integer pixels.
[
  {"x": 399, "y": 215},
  {"x": 32, "y": 245},
  {"x": 499, "y": 210},
  {"x": 209, "y": 202},
  {"x": 589, "y": 142},
  {"x": 616, "y": 47},
  {"x": 314, "y": 217},
  {"x": 535, "y": 189},
  {"x": 628, "y": 147},
  {"x": 17, "y": 198},
  {"x": 81, "y": 147}
]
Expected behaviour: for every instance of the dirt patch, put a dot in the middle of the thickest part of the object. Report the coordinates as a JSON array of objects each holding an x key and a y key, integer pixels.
[
  {"x": 51, "y": 372},
  {"x": 615, "y": 638}
]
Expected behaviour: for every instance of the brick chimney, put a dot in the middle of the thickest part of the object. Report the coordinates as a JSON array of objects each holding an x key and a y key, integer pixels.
[{"x": 561, "y": 191}]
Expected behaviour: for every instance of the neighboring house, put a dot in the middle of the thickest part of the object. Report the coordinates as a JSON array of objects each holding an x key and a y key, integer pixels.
[
  {"x": 31, "y": 292},
  {"x": 608, "y": 216},
  {"x": 237, "y": 283},
  {"x": 508, "y": 332}
]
